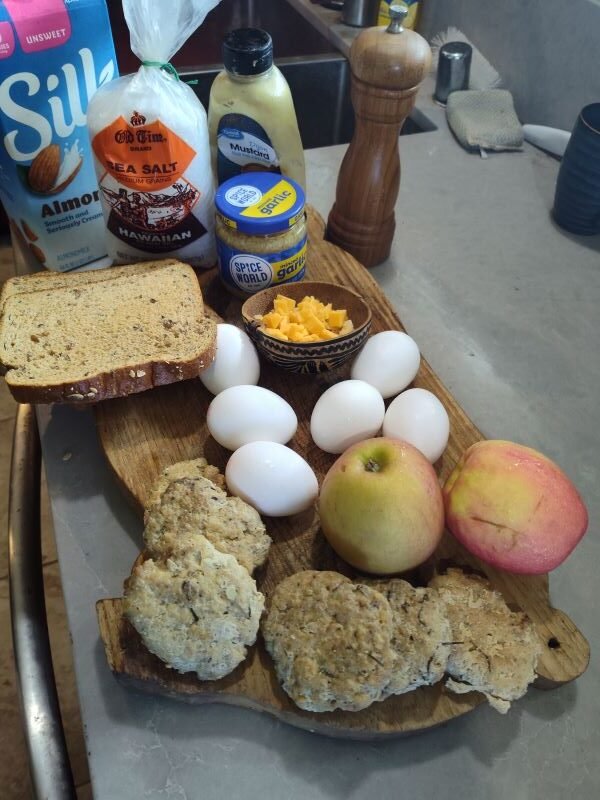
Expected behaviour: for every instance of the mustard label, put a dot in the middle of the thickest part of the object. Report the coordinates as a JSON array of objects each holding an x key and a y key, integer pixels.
[
  {"x": 276, "y": 201},
  {"x": 243, "y": 143}
]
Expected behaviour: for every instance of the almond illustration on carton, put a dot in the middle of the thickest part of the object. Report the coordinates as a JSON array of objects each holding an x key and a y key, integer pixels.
[
  {"x": 48, "y": 174},
  {"x": 28, "y": 231},
  {"x": 44, "y": 169},
  {"x": 38, "y": 253},
  {"x": 17, "y": 234}
]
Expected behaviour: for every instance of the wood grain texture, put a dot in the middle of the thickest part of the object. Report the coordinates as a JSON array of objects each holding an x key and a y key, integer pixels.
[
  {"x": 387, "y": 69},
  {"x": 396, "y": 61},
  {"x": 144, "y": 433}
]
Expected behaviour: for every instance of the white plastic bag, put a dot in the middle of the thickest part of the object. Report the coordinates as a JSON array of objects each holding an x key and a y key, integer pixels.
[{"x": 150, "y": 140}]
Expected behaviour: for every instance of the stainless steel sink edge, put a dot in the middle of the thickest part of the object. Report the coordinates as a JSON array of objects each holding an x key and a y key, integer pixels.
[{"x": 320, "y": 86}]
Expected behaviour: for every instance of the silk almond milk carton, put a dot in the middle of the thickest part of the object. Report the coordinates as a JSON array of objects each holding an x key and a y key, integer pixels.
[{"x": 54, "y": 54}]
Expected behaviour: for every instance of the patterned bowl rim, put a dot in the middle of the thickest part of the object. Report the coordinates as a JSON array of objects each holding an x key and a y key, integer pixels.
[
  {"x": 307, "y": 346},
  {"x": 252, "y": 324}
]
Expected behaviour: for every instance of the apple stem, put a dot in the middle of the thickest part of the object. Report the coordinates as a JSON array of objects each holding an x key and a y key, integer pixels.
[{"x": 372, "y": 466}]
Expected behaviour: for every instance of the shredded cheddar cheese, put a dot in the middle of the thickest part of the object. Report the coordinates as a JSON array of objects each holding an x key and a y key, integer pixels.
[{"x": 308, "y": 321}]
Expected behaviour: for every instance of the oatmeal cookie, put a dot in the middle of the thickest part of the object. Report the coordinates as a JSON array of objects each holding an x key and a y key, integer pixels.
[
  {"x": 420, "y": 634},
  {"x": 330, "y": 641},
  {"x": 186, "y": 503},
  {"x": 196, "y": 468},
  {"x": 198, "y": 610},
  {"x": 494, "y": 650}
]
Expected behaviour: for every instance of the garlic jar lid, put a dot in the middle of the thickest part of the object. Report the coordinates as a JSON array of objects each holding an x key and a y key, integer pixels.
[{"x": 260, "y": 203}]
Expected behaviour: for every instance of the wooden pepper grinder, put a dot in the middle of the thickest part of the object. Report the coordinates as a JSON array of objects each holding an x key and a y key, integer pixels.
[{"x": 388, "y": 64}]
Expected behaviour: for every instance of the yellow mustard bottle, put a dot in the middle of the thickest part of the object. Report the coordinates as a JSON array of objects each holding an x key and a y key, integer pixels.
[{"x": 251, "y": 117}]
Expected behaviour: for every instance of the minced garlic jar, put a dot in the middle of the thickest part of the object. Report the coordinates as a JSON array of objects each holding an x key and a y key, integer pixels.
[{"x": 261, "y": 232}]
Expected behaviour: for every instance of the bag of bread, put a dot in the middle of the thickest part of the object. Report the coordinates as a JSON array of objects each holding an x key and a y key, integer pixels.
[{"x": 149, "y": 135}]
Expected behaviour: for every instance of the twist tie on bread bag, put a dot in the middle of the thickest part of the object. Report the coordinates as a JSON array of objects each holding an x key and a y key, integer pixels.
[
  {"x": 159, "y": 28},
  {"x": 167, "y": 67}
]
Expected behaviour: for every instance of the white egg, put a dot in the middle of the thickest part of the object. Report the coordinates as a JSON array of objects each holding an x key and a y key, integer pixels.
[
  {"x": 418, "y": 417},
  {"x": 236, "y": 362},
  {"x": 272, "y": 478},
  {"x": 346, "y": 413},
  {"x": 243, "y": 414},
  {"x": 389, "y": 361}
]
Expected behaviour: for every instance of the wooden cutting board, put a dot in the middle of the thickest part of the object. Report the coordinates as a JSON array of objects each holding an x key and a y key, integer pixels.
[{"x": 144, "y": 433}]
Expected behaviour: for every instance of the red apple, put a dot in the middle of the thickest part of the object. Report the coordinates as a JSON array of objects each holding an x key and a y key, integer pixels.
[
  {"x": 381, "y": 506},
  {"x": 513, "y": 508}
]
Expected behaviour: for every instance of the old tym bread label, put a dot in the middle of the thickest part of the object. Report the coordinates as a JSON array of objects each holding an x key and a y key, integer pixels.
[
  {"x": 144, "y": 184},
  {"x": 142, "y": 156}
]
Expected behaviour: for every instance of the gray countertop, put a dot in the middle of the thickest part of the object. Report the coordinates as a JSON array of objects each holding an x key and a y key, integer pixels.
[{"x": 504, "y": 306}]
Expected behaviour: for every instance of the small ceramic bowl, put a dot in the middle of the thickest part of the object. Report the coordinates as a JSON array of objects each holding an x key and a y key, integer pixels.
[{"x": 309, "y": 357}]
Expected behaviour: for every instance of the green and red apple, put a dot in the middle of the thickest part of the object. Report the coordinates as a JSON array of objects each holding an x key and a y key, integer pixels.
[
  {"x": 513, "y": 508},
  {"x": 381, "y": 506}
]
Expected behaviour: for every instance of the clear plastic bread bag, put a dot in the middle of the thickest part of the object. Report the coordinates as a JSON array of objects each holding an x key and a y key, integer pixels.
[{"x": 149, "y": 135}]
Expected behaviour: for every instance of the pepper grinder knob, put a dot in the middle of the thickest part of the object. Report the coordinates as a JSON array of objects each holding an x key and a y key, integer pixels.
[
  {"x": 398, "y": 14},
  {"x": 387, "y": 64}
]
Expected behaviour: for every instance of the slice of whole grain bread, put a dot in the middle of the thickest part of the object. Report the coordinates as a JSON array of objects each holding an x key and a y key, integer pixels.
[{"x": 89, "y": 336}]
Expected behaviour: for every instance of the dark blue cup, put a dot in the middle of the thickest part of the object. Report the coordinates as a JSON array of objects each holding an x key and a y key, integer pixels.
[{"x": 577, "y": 196}]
